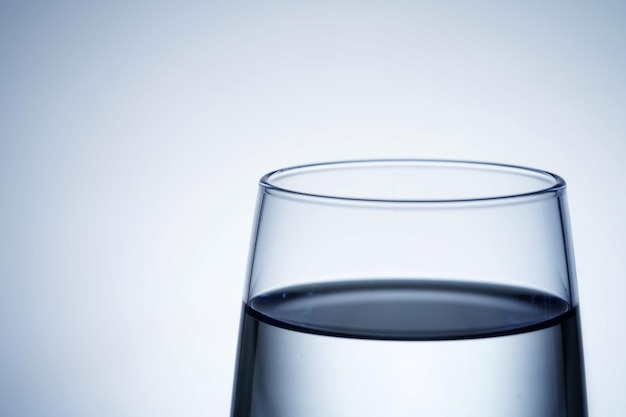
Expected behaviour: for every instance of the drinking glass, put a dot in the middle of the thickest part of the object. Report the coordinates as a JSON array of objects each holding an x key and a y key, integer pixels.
[{"x": 410, "y": 288}]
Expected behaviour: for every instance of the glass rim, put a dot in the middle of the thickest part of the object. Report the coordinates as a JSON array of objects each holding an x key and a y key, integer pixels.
[{"x": 267, "y": 181}]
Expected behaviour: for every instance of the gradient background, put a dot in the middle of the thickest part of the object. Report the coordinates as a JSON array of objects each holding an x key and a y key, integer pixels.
[{"x": 132, "y": 136}]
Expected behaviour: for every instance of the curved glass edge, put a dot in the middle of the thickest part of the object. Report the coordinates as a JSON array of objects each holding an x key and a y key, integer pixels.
[{"x": 554, "y": 190}]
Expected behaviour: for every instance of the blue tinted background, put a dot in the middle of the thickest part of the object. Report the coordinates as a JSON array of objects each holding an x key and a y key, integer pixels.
[{"x": 132, "y": 135}]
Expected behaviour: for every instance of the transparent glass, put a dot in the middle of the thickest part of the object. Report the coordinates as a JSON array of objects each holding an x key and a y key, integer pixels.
[{"x": 410, "y": 288}]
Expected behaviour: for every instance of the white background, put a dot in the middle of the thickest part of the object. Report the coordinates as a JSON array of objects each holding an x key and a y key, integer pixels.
[{"x": 132, "y": 136}]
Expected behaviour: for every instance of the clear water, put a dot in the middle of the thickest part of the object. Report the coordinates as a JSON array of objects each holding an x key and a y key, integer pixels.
[{"x": 399, "y": 348}]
